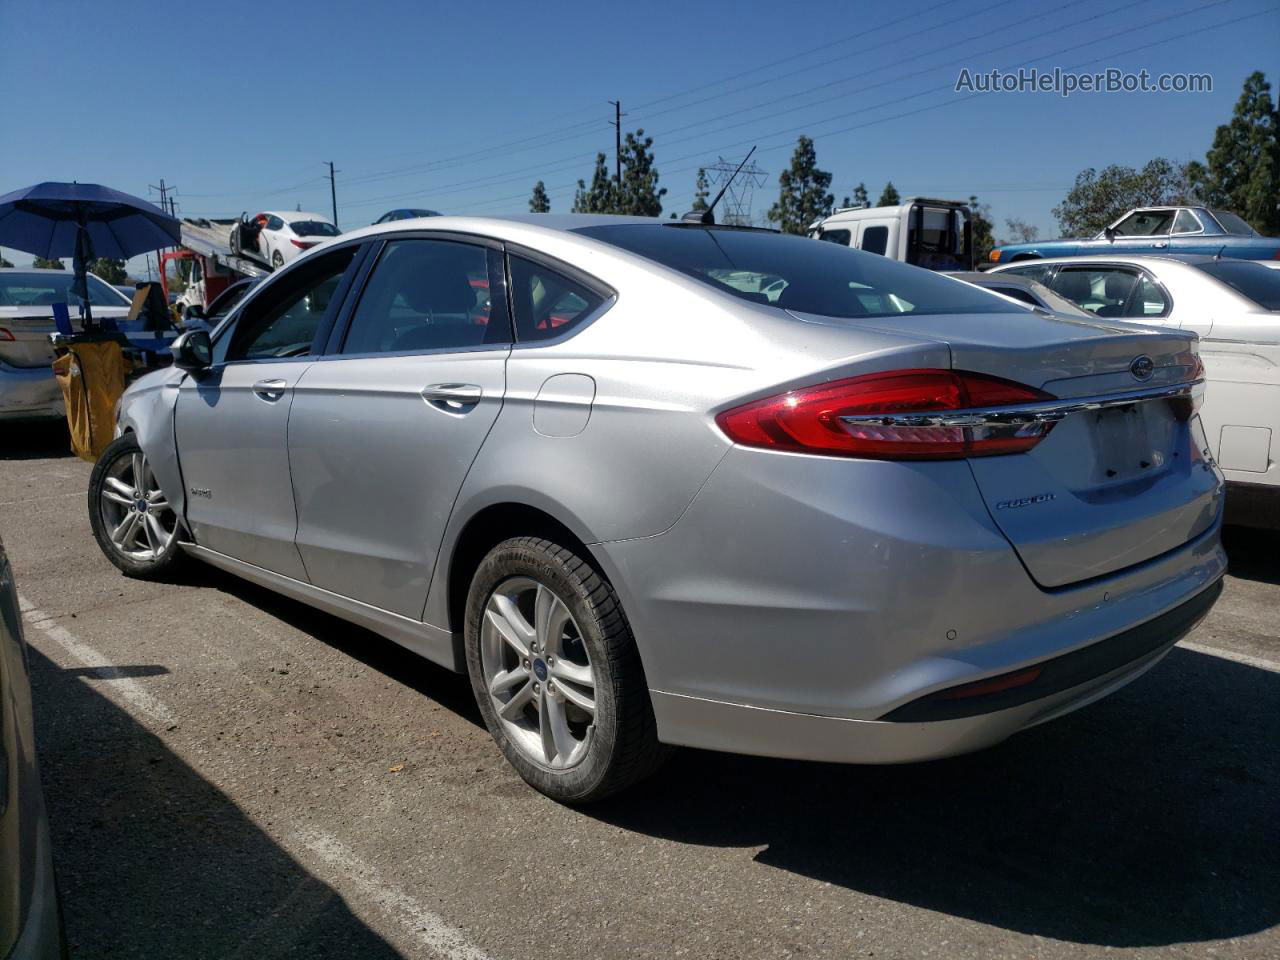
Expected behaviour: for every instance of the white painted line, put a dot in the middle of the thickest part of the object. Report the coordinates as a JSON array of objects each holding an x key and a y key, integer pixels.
[
  {"x": 128, "y": 688},
  {"x": 1260, "y": 662},
  {"x": 436, "y": 934}
]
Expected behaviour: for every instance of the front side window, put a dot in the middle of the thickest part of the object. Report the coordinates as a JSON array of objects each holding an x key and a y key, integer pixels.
[
  {"x": 875, "y": 240},
  {"x": 1145, "y": 223},
  {"x": 548, "y": 303},
  {"x": 426, "y": 295},
  {"x": 820, "y": 278},
  {"x": 283, "y": 320},
  {"x": 837, "y": 236}
]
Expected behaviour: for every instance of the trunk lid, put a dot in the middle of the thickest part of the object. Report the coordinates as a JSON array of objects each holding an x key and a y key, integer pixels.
[
  {"x": 1107, "y": 488},
  {"x": 24, "y": 334}
]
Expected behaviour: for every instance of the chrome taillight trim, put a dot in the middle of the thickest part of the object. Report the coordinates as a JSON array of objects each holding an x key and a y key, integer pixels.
[{"x": 1050, "y": 411}]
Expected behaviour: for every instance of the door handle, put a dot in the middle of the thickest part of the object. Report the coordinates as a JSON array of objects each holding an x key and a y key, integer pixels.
[
  {"x": 453, "y": 397},
  {"x": 271, "y": 389},
  {"x": 1160, "y": 244}
]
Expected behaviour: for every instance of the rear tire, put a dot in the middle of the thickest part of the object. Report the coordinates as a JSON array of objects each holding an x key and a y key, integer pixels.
[
  {"x": 131, "y": 517},
  {"x": 556, "y": 673}
]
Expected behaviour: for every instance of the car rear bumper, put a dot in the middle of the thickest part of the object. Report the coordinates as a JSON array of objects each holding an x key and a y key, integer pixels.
[
  {"x": 29, "y": 393},
  {"x": 806, "y": 594}
]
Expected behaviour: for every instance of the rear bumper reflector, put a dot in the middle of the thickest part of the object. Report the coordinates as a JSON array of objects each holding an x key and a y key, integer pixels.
[{"x": 1061, "y": 673}]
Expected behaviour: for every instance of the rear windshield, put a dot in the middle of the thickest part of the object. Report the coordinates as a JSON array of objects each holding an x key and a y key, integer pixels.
[
  {"x": 314, "y": 228},
  {"x": 1260, "y": 284},
  {"x": 44, "y": 289},
  {"x": 1233, "y": 224},
  {"x": 796, "y": 273}
]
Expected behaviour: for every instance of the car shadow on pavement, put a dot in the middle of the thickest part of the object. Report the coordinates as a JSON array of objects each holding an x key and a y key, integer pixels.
[
  {"x": 1147, "y": 819},
  {"x": 34, "y": 441},
  {"x": 451, "y": 690},
  {"x": 1253, "y": 554},
  {"x": 154, "y": 861}
]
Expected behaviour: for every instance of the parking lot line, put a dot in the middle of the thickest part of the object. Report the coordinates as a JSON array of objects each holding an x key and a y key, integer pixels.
[
  {"x": 435, "y": 933},
  {"x": 1260, "y": 662},
  {"x": 128, "y": 688}
]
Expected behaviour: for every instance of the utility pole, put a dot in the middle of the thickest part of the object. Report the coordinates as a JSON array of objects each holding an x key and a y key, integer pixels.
[
  {"x": 616, "y": 123},
  {"x": 333, "y": 192}
]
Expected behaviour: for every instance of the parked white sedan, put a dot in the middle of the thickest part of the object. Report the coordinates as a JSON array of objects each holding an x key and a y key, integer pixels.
[
  {"x": 275, "y": 238},
  {"x": 1234, "y": 305}
]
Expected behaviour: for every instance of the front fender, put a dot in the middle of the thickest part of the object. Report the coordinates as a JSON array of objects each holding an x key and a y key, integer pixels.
[{"x": 147, "y": 411}]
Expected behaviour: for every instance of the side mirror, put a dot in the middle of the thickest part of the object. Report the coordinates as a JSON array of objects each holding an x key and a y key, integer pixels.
[
  {"x": 195, "y": 310},
  {"x": 1110, "y": 234},
  {"x": 193, "y": 351}
]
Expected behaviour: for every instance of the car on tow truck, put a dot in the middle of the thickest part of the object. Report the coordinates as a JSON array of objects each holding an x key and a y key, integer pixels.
[
  {"x": 275, "y": 238},
  {"x": 883, "y": 517}
]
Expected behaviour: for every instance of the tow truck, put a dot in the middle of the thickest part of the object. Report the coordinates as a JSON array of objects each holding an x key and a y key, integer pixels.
[
  {"x": 214, "y": 265},
  {"x": 925, "y": 231}
]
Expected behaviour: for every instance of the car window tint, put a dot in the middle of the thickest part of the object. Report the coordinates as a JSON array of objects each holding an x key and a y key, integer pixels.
[
  {"x": 1033, "y": 271},
  {"x": 274, "y": 223},
  {"x": 1150, "y": 301},
  {"x": 1145, "y": 223},
  {"x": 1103, "y": 291},
  {"x": 1260, "y": 284},
  {"x": 836, "y": 236},
  {"x": 1186, "y": 222},
  {"x": 548, "y": 303},
  {"x": 283, "y": 319},
  {"x": 1017, "y": 293},
  {"x": 875, "y": 239},
  {"x": 426, "y": 295}
]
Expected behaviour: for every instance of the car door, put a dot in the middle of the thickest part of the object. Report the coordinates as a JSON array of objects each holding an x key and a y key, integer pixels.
[
  {"x": 385, "y": 427},
  {"x": 273, "y": 240},
  {"x": 231, "y": 421}
]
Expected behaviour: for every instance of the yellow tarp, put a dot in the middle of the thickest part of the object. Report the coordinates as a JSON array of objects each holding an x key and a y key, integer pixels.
[{"x": 91, "y": 376}]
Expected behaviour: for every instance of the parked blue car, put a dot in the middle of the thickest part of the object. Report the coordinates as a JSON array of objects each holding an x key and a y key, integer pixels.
[{"x": 1157, "y": 230}]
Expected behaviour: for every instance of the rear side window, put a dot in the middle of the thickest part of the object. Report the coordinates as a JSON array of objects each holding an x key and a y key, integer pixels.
[
  {"x": 547, "y": 303},
  {"x": 426, "y": 295},
  {"x": 1150, "y": 301},
  {"x": 1186, "y": 222},
  {"x": 875, "y": 240},
  {"x": 1104, "y": 291}
]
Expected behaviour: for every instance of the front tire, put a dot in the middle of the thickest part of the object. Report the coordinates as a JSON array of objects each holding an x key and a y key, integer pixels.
[
  {"x": 131, "y": 517},
  {"x": 556, "y": 672}
]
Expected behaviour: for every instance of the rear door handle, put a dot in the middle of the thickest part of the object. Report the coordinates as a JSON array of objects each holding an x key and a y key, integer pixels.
[
  {"x": 1160, "y": 244},
  {"x": 271, "y": 389},
  {"x": 453, "y": 397}
]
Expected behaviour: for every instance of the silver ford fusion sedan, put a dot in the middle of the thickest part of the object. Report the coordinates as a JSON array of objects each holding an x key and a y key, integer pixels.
[{"x": 654, "y": 483}]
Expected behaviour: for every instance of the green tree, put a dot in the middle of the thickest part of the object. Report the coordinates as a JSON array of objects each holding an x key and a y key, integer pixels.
[
  {"x": 1100, "y": 198},
  {"x": 539, "y": 202},
  {"x": 109, "y": 270},
  {"x": 980, "y": 229},
  {"x": 889, "y": 196},
  {"x": 40, "y": 263},
  {"x": 1242, "y": 170},
  {"x": 638, "y": 194},
  {"x": 601, "y": 196},
  {"x": 701, "y": 190},
  {"x": 859, "y": 198},
  {"x": 802, "y": 191}
]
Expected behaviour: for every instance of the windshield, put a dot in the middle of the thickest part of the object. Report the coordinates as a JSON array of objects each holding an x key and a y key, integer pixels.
[
  {"x": 1233, "y": 224},
  {"x": 227, "y": 299},
  {"x": 1252, "y": 280},
  {"x": 796, "y": 273},
  {"x": 45, "y": 288},
  {"x": 314, "y": 228}
]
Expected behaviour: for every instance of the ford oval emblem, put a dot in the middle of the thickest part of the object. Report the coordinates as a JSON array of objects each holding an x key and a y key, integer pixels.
[{"x": 1142, "y": 367}]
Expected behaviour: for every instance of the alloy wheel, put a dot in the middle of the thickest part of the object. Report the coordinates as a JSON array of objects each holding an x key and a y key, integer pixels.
[
  {"x": 135, "y": 513},
  {"x": 537, "y": 673}
]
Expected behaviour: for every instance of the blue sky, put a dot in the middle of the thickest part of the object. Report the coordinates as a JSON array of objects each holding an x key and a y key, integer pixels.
[{"x": 461, "y": 107}]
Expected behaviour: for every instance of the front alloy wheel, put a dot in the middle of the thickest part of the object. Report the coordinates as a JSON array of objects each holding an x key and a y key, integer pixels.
[{"x": 132, "y": 519}]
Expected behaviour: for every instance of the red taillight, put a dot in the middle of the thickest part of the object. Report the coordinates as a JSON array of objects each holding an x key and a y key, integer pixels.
[
  {"x": 809, "y": 420},
  {"x": 980, "y": 688},
  {"x": 301, "y": 244},
  {"x": 6, "y": 335}
]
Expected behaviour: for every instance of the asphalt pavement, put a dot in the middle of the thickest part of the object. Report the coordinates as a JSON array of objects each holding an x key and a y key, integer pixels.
[{"x": 232, "y": 774}]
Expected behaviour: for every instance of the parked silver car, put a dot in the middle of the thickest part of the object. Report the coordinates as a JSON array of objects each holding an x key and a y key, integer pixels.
[
  {"x": 881, "y": 516},
  {"x": 30, "y": 924}
]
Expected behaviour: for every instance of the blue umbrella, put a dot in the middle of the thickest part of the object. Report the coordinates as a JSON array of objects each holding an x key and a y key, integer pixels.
[{"x": 83, "y": 221}]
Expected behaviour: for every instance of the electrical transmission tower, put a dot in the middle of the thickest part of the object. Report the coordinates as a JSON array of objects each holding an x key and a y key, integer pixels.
[{"x": 736, "y": 206}]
